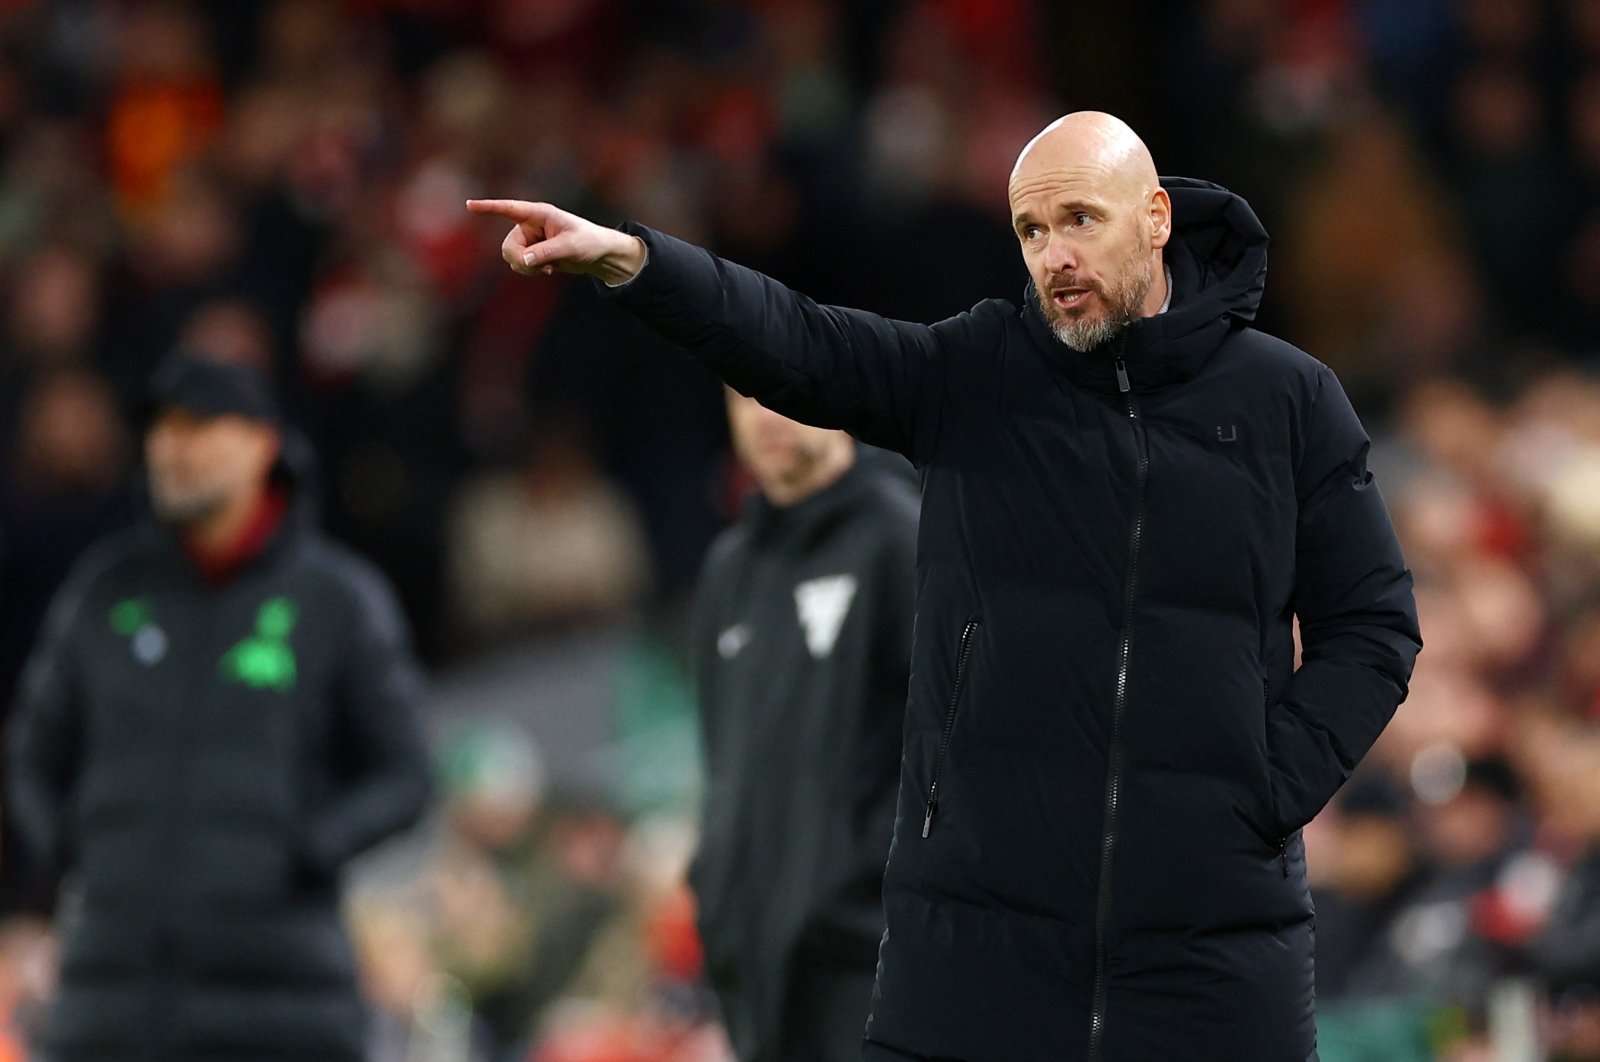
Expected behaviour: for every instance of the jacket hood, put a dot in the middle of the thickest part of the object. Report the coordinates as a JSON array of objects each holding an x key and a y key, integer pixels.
[{"x": 1218, "y": 259}]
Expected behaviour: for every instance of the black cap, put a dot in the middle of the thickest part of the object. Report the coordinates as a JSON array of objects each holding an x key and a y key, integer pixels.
[{"x": 211, "y": 388}]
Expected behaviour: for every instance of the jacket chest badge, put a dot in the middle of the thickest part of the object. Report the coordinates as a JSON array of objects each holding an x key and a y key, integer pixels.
[
  {"x": 822, "y": 605},
  {"x": 1227, "y": 433},
  {"x": 265, "y": 660},
  {"x": 132, "y": 619}
]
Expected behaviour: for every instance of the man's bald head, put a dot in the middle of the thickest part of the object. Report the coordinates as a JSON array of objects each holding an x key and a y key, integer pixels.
[
  {"x": 1092, "y": 219},
  {"x": 1097, "y": 145}
]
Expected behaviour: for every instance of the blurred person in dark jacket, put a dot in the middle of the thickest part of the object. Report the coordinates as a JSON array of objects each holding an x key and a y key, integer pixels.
[
  {"x": 65, "y": 485},
  {"x": 1565, "y": 952},
  {"x": 801, "y": 644},
  {"x": 1130, "y": 496},
  {"x": 222, "y": 711}
]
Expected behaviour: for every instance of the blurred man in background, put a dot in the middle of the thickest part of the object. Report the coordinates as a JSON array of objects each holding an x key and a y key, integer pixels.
[
  {"x": 801, "y": 643},
  {"x": 222, "y": 711},
  {"x": 1130, "y": 497}
]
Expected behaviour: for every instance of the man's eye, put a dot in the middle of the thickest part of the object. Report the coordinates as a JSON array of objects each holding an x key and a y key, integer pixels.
[
  {"x": 1081, "y": 219},
  {"x": 1031, "y": 231}
]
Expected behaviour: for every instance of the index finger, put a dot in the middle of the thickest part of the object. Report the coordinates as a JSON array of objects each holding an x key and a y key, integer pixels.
[{"x": 511, "y": 209}]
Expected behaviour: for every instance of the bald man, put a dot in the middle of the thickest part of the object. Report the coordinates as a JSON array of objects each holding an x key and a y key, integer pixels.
[{"x": 1129, "y": 496}]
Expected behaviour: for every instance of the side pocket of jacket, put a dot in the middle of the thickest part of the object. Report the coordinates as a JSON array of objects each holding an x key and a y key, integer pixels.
[
  {"x": 1274, "y": 832},
  {"x": 963, "y": 655}
]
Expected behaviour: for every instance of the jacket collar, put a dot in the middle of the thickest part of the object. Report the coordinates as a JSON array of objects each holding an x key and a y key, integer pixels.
[{"x": 1218, "y": 259}]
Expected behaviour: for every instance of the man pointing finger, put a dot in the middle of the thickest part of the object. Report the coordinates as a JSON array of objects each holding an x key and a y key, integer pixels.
[
  {"x": 546, "y": 239},
  {"x": 1130, "y": 495}
]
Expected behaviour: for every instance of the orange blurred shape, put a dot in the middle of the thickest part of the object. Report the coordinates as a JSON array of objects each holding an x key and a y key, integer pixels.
[{"x": 153, "y": 127}]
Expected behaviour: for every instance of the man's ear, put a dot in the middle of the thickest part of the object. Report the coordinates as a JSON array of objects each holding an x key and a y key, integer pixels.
[{"x": 1160, "y": 218}]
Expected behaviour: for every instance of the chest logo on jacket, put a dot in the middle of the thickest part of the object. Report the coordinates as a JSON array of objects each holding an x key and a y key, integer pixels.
[
  {"x": 822, "y": 605},
  {"x": 132, "y": 619},
  {"x": 265, "y": 660}
]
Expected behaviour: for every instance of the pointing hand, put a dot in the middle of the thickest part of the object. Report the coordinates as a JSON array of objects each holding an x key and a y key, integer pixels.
[{"x": 545, "y": 238}]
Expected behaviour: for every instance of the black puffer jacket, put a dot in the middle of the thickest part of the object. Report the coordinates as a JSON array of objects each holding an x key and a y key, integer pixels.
[
  {"x": 1109, "y": 750},
  {"x": 203, "y": 760}
]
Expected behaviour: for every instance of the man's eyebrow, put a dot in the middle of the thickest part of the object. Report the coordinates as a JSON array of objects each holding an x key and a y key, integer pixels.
[
  {"x": 1071, "y": 206},
  {"x": 1087, "y": 206}
]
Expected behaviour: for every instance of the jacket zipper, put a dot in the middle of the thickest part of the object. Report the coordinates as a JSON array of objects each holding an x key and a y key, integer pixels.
[
  {"x": 949, "y": 723},
  {"x": 1108, "y": 837}
]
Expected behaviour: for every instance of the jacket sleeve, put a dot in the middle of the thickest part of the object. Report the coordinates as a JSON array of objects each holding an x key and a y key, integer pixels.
[
  {"x": 1358, "y": 621},
  {"x": 881, "y": 380},
  {"x": 45, "y": 742},
  {"x": 381, "y": 779}
]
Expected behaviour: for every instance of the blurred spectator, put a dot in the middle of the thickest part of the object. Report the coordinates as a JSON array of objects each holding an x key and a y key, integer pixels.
[
  {"x": 546, "y": 544},
  {"x": 1565, "y": 952},
  {"x": 54, "y": 311},
  {"x": 556, "y": 922},
  {"x": 165, "y": 103},
  {"x": 63, "y": 485}
]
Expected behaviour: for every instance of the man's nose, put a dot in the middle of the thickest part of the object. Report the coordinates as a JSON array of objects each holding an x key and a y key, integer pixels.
[{"x": 1059, "y": 255}]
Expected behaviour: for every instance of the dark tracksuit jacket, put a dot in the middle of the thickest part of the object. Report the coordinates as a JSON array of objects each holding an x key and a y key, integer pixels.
[
  {"x": 1109, "y": 749},
  {"x": 203, "y": 760},
  {"x": 802, "y": 639}
]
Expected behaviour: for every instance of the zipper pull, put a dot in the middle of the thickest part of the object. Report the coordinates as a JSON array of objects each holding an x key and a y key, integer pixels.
[
  {"x": 1122, "y": 377},
  {"x": 1283, "y": 854},
  {"x": 933, "y": 802}
]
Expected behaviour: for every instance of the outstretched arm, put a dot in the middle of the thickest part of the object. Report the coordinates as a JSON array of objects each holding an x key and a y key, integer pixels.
[{"x": 880, "y": 380}]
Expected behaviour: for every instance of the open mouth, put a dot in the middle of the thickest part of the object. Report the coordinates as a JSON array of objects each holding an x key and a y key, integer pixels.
[{"x": 1069, "y": 298}]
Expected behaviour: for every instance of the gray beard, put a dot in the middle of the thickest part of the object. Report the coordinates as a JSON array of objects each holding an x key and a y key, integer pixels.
[{"x": 1085, "y": 333}]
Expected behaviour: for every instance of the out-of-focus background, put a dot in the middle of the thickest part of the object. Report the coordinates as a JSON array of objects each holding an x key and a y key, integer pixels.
[{"x": 282, "y": 181}]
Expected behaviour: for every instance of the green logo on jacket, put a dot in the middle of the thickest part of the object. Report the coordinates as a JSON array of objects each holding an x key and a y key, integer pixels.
[{"x": 264, "y": 660}]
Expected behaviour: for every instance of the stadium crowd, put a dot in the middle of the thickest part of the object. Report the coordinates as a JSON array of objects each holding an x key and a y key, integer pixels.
[{"x": 281, "y": 182}]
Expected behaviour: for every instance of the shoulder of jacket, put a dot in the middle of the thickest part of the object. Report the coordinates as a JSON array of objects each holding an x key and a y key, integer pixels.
[
  {"x": 1267, "y": 357},
  {"x": 981, "y": 328},
  {"x": 724, "y": 550},
  {"x": 1264, "y": 350},
  {"x": 350, "y": 575},
  {"x": 97, "y": 568},
  {"x": 127, "y": 550}
]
